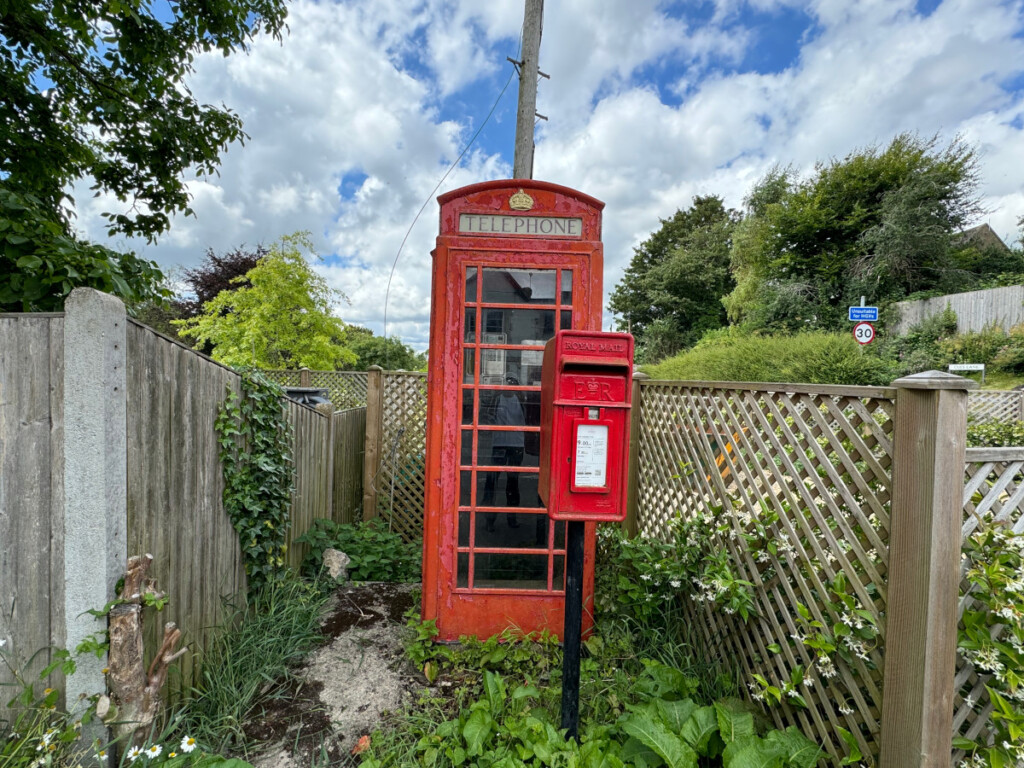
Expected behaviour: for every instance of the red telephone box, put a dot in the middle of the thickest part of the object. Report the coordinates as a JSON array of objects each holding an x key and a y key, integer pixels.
[{"x": 515, "y": 262}]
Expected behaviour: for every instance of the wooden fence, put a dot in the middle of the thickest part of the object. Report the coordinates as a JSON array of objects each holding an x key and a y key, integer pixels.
[
  {"x": 31, "y": 491},
  {"x": 396, "y": 436},
  {"x": 995, "y": 405},
  {"x": 162, "y": 496},
  {"x": 396, "y": 444},
  {"x": 347, "y": 389},
  {"x": 808, "y": 489},
  {"x": 974, "y": 310}
]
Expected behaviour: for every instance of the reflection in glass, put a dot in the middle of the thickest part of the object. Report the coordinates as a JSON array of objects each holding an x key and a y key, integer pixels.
[
  {"x": 471, "y": 284},
  {"x": 517, "y": 326},
  {"x": 470, "y": 325},
  {"x": 492, "y": 448},
  {"x": 511, "y": 367},
  {"x": 466, "y": 454},
  {"x": 510, "y": 571},
  {"x": 495, "y": 406},
  {"x": 465, "y": 486},
  {"x": 567, "y": 286},
  {"x": 468, "y": 366},
  {"x": 512, "y": 530},
  {"x": 507, "y": 490},
  {"x": 518, "y": 286},
  {"x": 464, "y": 529},
  {"x": 462, "y": 571},
  {"x": 467, "y": 406},
  {"x": 566, "y": 321}
]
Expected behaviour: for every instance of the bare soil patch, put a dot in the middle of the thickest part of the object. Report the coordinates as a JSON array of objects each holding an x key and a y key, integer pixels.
[{"x": 347, "y": 686}]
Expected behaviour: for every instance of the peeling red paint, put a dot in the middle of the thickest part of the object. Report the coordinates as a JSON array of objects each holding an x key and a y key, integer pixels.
[{"x": 484, "y": 604}]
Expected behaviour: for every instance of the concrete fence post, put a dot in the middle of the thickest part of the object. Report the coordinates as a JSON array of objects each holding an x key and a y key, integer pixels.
[
  {"x": 95, "y": 472},
  {"x": 929, "y": 444},
  {"x": 631, "y": 525},
  {"x": 374, "y": 429}
]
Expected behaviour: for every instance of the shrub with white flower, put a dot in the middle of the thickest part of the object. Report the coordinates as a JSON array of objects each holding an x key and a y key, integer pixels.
[{"x": 992, "y": 639}]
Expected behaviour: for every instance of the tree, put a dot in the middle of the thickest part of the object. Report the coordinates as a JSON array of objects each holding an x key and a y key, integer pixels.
[
  {"x": 386, "y": 351},
  {"x": 96, "y": 89},
  {"x": 671, "y": 292},
  {"x": 282, "y": 319},
  {"x": 877, "y": 223},
  {"x": 41, "y": 261}
]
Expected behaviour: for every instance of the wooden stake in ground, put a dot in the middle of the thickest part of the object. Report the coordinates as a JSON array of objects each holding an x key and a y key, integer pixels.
[{"x": 135, "y": 691}]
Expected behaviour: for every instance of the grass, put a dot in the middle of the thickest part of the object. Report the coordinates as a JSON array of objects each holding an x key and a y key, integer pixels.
[{"x": 252, "y": 661}]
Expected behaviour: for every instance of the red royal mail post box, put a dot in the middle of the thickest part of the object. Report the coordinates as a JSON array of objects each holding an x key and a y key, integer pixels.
[{"x": 586, "y": 396}]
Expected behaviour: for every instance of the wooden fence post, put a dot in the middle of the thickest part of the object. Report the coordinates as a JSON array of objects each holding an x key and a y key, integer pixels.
[
  {"x": 374, "y": 428},
  {"x": 304, "y": 378},
  {"x": 631, "y": 525},
  {"x": 929, "y": 443}
]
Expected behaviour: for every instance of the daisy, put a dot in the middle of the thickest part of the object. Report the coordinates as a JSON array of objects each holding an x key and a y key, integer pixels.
[
  {"x": 154, "y": 751},
  {"x": 188, "y": 744},
  {"x": 133, "y": 754}
]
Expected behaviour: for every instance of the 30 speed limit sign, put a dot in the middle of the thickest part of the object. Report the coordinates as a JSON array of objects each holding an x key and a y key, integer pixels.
[{"x": 864, "y": 333}]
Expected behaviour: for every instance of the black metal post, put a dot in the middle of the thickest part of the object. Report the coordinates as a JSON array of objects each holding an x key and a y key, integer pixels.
[{"x": 572, "y": 629}]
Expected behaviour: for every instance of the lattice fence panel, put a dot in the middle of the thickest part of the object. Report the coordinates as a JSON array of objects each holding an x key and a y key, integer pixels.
[
  {"x": 993, "y": 495},
  {"x": 994, "y": 405},
  {"x": 285, "y": 378},
  {"x": 347, "y": 388},
  {"x": 797, "y": 485},
  {"x": 400, "y": 479}
]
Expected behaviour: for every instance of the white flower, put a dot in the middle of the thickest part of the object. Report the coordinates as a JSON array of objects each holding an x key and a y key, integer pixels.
[
  {"x": 154, "y": 751},
  {"x": 675, "y": 583},
  {"x": 188, "y": 743},
  {"x": 845, "y": 709},
  {"x": 133, "y": 754}
]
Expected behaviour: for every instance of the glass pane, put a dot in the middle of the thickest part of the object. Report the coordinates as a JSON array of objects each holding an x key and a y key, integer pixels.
[
  {"x": 511, "y": 530},
  {"x": 518, "y": 286},
  {"x": 558, "y": 577},
  {"x": 470, "y": 325},
  {"x": 468, "y": 365},
  {"x": 464, "y": 529},
  {"x": 517, "y": 326},
  {"x": 465, "y": 486},
  {"x": 566, "y": 321},
  {"x": 507, "y": 489},
  {"x": 462, "y": 572},
  {"x": 466, "y": 455},
  {"x": 560, "y": 535},
  {"x": 509, "y": 408},
  {"x": 507, "y": 449},
  {"x": 567, "y": 286},
  {"x": 511, "y": 367},
  {"x": 511, "y": 571},
  {"x": 471, "y": 284},
  {"x": 467, "y": 406}
]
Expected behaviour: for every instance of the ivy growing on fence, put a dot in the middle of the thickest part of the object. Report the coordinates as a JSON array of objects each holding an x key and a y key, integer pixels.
[{"x": 255, "y": 455}]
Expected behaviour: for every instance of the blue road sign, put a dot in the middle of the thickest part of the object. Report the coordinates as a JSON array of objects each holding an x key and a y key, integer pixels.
[{"x": 864, "y": 314}]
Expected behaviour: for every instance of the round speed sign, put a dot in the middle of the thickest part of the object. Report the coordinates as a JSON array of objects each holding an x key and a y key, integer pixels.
[{"x": 864, "y": 333}]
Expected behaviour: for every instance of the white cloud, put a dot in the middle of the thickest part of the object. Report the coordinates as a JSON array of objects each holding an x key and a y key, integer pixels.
[{"x": 646, "y": 110}]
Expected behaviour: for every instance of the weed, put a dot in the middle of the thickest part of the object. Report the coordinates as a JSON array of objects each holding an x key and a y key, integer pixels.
[
  {"x": 253, "y": 660},
  {"x": 375, "y": 553}
]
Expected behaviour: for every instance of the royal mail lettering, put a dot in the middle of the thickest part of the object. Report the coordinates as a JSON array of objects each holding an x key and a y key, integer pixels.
[{"x": 542, "y": 226}]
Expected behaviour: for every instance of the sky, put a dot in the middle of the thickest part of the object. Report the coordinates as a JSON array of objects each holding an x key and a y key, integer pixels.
[{"x": 358, "y": 113}]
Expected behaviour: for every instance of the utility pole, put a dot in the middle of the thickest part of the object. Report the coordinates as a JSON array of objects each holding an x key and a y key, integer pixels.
[{"x": 522, "y": 164}]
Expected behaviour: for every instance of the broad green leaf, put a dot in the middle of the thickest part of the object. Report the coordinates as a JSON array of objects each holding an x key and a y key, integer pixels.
[
  {"x": 734, "y": 722},
  {"x": 669, "y": 747},
  {"x": 752, "y": 752},
  {"x": 476, "y": 731},
  {"x": 800, "y": 751},
  {"x": 675, "y": 713},
  {"x": 697, "y": 731},
  {"x": 636, "y": 753}
]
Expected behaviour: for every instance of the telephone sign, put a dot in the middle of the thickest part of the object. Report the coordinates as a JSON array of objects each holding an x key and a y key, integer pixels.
[{"x": 864, "y": 333}]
